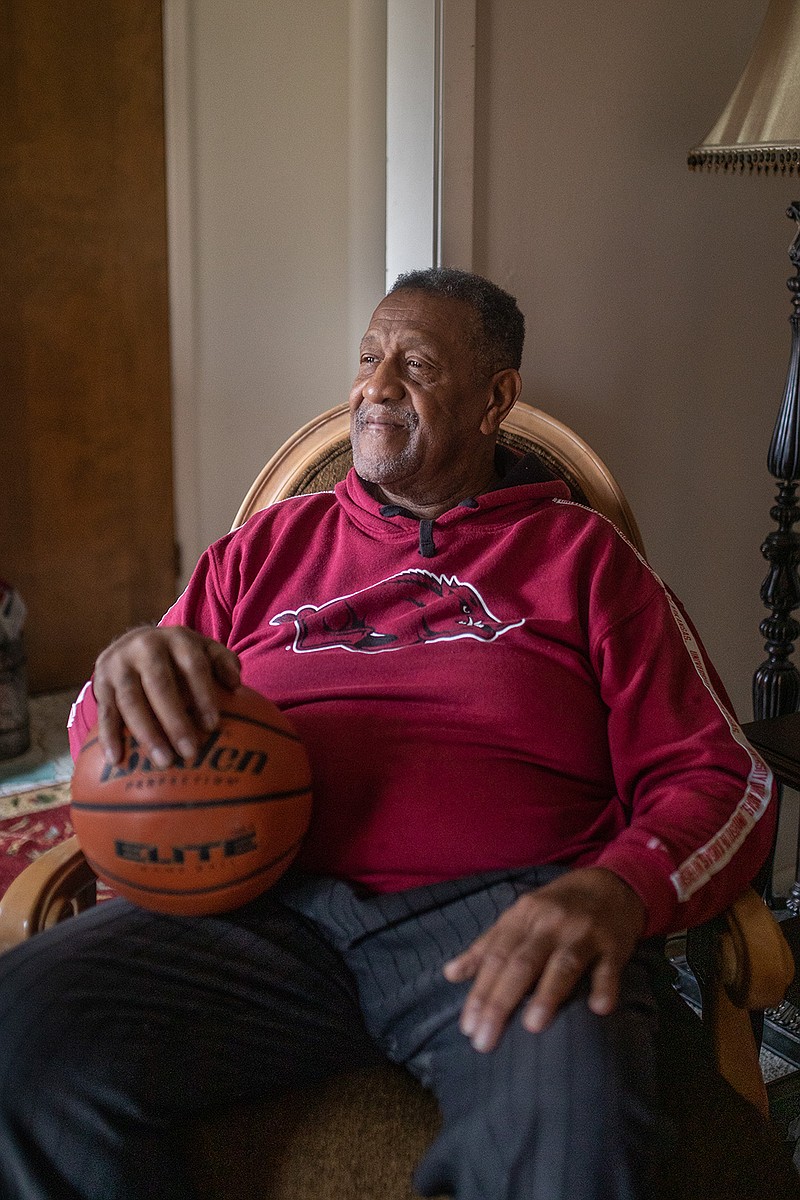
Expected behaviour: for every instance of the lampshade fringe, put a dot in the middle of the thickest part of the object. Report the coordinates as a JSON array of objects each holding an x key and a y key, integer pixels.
[{"x": 766, "y": 159}]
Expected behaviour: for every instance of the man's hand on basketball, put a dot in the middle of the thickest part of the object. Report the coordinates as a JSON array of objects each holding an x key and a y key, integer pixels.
[
  {"x": 586, "y": 923},
  {"x": 158, "y": 681}
]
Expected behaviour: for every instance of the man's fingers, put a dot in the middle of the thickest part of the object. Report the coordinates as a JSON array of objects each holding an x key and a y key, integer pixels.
[
  {"x": 127, "y": 705},
  {"x": 604, "y": 994},
  {"x": 110, "y": 731},
  {"x": 586, "y": 923},
  {"x": 561, "y": 975},
  {"x": 505, "y": 963},
  {"x": 466, "y": 965},
  {"x": 150, "y": 680},
  {"x": 160, "y": 682},
  {"x": 166, "y": 690},
  {"x": 502, "y": 982},
  {"x": 225, "y": 664},
  {"x": 198, "y": 664},
  {"x": 559, "y": 980}
]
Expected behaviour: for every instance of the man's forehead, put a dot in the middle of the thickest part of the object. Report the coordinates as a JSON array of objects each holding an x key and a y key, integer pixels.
[{"x": 442, "y": 318}]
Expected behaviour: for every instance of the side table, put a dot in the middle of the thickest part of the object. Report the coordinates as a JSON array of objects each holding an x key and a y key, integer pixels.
[{"x": 777, "y": 739}]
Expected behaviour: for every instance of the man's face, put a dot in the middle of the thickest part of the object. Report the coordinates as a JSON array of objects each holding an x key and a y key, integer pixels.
[{"x": 418, "y": 400}]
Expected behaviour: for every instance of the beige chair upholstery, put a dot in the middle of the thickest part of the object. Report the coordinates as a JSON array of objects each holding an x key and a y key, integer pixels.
[{"x": 358, "y": 1138}]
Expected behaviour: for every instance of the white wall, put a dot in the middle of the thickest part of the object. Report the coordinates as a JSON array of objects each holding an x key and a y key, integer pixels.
[
  {"x": 284, "y": 133},
  {"x": 655, "y": 297}
]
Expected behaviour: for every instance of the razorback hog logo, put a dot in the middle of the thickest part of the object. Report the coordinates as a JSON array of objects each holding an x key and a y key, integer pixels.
[{"x": 407, "y": 609}]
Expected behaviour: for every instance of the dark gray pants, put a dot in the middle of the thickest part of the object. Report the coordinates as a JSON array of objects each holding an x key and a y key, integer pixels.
[{"x": 118, "y": 1027}]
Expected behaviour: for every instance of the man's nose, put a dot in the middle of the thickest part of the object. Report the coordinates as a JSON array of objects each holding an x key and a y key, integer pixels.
[{"x": 384, "y": 383}]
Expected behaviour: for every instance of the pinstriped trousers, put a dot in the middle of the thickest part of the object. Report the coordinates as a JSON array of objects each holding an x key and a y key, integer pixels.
[{"x": 119, "y": 1026}]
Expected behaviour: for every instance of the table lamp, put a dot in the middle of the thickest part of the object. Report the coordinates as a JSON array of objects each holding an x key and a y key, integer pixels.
[{"x": 759, "y": 131}]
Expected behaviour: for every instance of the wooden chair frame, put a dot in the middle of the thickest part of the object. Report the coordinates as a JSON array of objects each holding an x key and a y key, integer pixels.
[{"x": 320, "y": 450}]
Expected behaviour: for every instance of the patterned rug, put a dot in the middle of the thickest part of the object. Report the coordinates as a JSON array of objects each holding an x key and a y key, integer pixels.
[
  {"x": 30, "y": 823},
  {"x": 34, "y": 788}
]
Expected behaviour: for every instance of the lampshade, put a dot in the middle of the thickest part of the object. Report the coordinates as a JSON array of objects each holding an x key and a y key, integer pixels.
[{"x": 760, "y": 127}]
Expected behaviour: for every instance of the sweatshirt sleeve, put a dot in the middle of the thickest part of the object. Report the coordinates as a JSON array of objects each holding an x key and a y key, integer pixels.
[
  {"x": 698, "y": 798},
  {"x": 201, "y": 606}
]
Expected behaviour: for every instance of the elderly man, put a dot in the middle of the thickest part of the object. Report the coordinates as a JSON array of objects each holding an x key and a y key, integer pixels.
[{"x": 525, "y": 774}]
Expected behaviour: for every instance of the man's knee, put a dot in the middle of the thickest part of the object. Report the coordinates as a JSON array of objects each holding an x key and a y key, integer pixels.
[{"x": 567, "y": 1114}]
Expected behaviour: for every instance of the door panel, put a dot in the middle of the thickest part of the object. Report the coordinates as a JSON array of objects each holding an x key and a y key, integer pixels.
[{"x": 86, "y": 524}]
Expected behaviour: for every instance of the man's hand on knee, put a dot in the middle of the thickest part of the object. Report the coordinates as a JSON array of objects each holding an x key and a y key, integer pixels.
[{"x": 585, "y": 923}]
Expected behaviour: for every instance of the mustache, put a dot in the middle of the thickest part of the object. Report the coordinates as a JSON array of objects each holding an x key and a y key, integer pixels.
[{"x": 395, "y": 412}]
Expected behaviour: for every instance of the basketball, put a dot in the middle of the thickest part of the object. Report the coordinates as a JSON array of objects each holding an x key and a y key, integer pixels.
[{"x": 202, "y": 835}]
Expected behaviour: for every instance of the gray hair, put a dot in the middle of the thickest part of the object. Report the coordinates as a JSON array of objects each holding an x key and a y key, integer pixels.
[{"x": 501, "y": 325}]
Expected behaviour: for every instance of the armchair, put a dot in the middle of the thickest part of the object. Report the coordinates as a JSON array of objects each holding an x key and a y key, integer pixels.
[{"x": 360, "y": 1134}]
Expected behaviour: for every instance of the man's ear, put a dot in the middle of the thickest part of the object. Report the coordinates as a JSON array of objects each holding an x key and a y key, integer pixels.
[{"x": 505, "y": 389}]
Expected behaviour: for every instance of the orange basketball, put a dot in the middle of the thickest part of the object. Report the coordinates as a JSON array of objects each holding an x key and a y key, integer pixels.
[{"x": 203, "y": 835}]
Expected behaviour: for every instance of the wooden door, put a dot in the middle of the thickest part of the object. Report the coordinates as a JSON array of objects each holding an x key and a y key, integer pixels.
[{"x": 86, "y": 523}]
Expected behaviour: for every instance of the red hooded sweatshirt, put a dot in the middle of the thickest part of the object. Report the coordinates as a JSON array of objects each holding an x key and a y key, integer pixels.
[{"x": 507, "y": 685}]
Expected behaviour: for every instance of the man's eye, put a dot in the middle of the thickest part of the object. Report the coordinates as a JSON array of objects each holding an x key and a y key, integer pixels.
[
  {"x": 414, "y": 362},
  {"x": 368, "y": 358}
]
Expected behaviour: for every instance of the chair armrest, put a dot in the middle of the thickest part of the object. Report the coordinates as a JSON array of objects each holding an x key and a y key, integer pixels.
[
  {"x": 55, "y": 886},
  {"x": 742, "y": 963},
  {"x": 753, "y": 957}
]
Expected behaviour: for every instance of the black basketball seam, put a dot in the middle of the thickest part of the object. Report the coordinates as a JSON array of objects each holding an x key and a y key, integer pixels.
[
  {"x": 165, "y": 805},
  {"x": 261, "y": 724},
  {"x": 163, "y": 891}
]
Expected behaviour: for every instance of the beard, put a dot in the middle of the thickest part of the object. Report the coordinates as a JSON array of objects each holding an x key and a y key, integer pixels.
[{"x": 382, "y": 467}]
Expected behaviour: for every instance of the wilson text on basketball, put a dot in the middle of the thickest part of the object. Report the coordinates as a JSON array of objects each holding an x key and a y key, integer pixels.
[{"x": 213, "y": 754}]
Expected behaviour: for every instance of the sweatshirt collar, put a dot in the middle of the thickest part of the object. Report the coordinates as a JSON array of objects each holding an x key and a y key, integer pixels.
[{"x": 515, "y": 471}]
